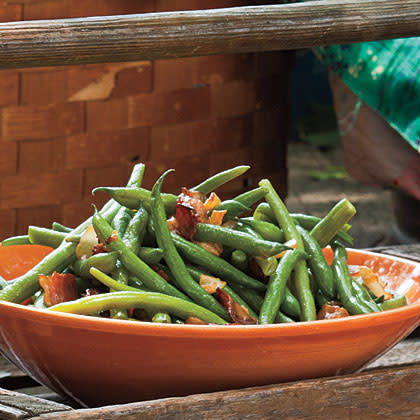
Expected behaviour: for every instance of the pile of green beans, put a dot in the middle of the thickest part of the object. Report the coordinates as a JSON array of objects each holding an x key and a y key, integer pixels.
[{"x": 271, "y": 264}]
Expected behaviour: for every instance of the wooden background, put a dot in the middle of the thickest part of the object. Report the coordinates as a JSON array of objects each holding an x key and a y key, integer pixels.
[{"x": 65, "y": 130}]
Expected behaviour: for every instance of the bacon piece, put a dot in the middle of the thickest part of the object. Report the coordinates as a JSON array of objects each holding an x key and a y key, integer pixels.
[
  {"x": 112, "y": 238},
  {"x": 90, "y": 292},
  {"x": 331, "y": 310},
  {"x": 28, "y": 301},
  {"x": 161, "y": 273},
  {"x": 99, "y": 248},
  {"x": 190, "y": 210},
  {"x": 58, "y": 288},
  {"x": 237, "y": 312}
]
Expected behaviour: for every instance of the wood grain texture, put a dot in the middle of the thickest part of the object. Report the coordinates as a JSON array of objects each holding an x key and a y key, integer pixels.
[
  {"x": 14, "y": 406},
  {"x": 194, "y": 33},
  {"x": 381, "y": 394}
]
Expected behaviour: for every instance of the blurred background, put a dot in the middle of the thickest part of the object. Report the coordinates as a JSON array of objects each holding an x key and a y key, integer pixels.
[{"x": 66, "y": 130}]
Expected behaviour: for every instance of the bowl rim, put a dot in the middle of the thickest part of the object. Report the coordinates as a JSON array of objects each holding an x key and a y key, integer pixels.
[{"x": 304, "y": 328}]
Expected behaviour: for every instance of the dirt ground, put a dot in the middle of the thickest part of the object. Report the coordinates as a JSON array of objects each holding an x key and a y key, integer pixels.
[{"x": 308, "y": 193}]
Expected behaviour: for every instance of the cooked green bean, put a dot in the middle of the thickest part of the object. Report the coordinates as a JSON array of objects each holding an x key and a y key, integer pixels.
[
  {"x": 173, "y": 260},
  {"x": 151, "y": 301},
  {"x": 196, "y": 275},
  {"x": 255, "y": 301},
  {"x": 363, "y": 294},
  {"x": 344, "y": 285},
  {"x": 249, "y": 198},
  {"x": 237, "y": 240},
  {"x": 121, "y": 220},
  {"x": 277, "y": 285},
  {"x": 327, "y": 228},
  {"x": 218, "y": 266},
  {"x": 43, "y": 236},
  {"x": 268, "y": 231},
  {"x": 162, "y": 317},
  {"x": 394, "y": 303},
  {"x": 133, "y": 197},
  {"x": 217, "y": 180},
  {"x": 61, "y": 228},
  {"x": 150, "y": 255},
  {"x": 233, "y": 209},
  {"x": 300, "y": 275},
  {"x": 131, "y": 261},
  {"x": 317, "y": 262},
  {"x": 239, "y": 259},
  {"x": 105, "y": 261},
  {"x": 16, "y": 240},
  {"x": 263, "y": 212}
]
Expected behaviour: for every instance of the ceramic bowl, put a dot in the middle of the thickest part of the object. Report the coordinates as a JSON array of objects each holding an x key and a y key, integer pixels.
[{"x": 99, "y": 361}]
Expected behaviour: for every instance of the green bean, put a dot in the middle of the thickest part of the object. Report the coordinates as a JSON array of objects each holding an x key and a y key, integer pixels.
[
  {"x": 241, "y": 227},
  {"x": 237, "y": 240},
  {"x": 300, "y": 275},
  {"x": 131, "y": 261},
  {"x": 277, "y": 285},
  {"x": 173, "y": 260},
  {"x": 137, "y": 284},
  {"x": 325, "y": 230},
  {"x": 43, "y": 236},
  {"x": 320, "y": 299},
  {"x": 344, "y": 285},
  {"x": 112, "y": 284},
  {"x": 263, "y": 212},
  {"x": 218, "y": 266},
  {"x": 255, "y": 301},
  {"x": 233, "y": 209},
  {"x": 136, "y": 230},
  {"x": 105, "y": 261},
  {"x": 239, "y": 259},
  {"x": 61, "y": 228},
  {"x": 268, "y": 231},
  {"x": 121, "y": 220},
  {"x": 151, "y": 301},
  {"x": 363, "y": 294},
  {"x": 394, "y": 303},
  {"x": 196, "y": 275},
  {"x": 318, "y": 264},
  {"x": 16, "y": 240},
  {"x": 150, "y": 255},
  {"x": 133, "y": 197},
  {"x": 162, "y": 317},
  {"x": 268, "y": 265},
  {"x": 217, "y": 180},
  {"x": 249, "y": 198}
]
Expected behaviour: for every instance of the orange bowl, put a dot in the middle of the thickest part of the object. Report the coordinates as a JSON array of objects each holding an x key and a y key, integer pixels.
[{"x": 99, "y": 361}]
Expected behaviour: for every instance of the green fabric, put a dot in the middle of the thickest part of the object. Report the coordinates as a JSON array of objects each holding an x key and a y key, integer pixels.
[{"x": 384, "y": 74}]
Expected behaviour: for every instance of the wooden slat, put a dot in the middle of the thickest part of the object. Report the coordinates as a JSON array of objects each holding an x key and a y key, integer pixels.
[
  {"x": 411, "y": 252},
  {"x": 380, "y": 394},
  {"x": 16, "y": 406},
  {"x": 194, "y": 33}
]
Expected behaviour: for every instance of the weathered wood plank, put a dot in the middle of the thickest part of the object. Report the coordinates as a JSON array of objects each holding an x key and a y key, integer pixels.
[
  {"x": 14, "y": 405},
  {"x": 194, "y": 33},
  {"x": 381, "y": 394},
  {"x": 411, "y": 252}
]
